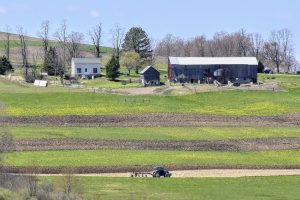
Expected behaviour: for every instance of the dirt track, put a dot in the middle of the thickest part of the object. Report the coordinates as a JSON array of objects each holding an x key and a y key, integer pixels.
[
  {"x": 204, "y": 173},
  {"x": 221, "y": 145},
  {"x": 154, "y": 120},
  {"x": 129, "y": 169}
]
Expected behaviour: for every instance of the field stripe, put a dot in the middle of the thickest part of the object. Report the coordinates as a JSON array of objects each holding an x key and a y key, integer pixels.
[
  {"x": 265, "y": 144},
  {"x": 154, "y": 120}
]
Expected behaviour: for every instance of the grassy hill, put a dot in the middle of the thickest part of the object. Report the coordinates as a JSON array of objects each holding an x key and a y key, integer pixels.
[{"x": 35, "y": 47}]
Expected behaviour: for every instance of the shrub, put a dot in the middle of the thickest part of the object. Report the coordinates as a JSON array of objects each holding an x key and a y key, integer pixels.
[{"x": 5, "y": 66}]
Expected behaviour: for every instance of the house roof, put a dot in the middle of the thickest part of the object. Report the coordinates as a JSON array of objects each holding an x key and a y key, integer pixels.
[
  {"x": 147, "y": 68},
  {"x": 213, "y": 60},
  {"x": 86, "y": 60}
]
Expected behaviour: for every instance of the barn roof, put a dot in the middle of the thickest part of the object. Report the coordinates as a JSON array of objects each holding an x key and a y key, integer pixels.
[
  {"x": 213, "y": 60},
  {"x": 86, "y": 60},
  {"x": 147, "y": 68}
]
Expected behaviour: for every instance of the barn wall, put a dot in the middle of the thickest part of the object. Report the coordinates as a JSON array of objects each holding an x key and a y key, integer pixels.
[{"x": 195, "y": 73}]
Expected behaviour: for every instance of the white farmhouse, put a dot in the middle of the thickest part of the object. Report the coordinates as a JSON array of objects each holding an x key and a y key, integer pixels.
[{"x": 85, "y": 67}]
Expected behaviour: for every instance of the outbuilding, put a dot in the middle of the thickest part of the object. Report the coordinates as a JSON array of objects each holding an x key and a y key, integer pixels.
[
  {"x": 85, "y": 67},
  {"x": 150, "y": 76},
  {"x": 210, "y": 69}
]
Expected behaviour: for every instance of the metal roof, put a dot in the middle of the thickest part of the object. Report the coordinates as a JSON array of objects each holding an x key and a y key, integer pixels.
[
  {"x": 146, "y": 68},
  {"x": 213, "y": 60},
  {"x": 86, "y": 60}
]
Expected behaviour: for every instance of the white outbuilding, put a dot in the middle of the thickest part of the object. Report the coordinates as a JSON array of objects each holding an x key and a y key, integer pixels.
[{"x": 85, "y": 67}]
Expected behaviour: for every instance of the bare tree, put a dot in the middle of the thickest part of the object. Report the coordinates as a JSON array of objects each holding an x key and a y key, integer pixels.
[
  {"x": 7, "y": 43},
  {"x": 257, "y": 44},
  {"x": 287, "y": 48},
  {"x": 61, "y": 36},
  {"x": 117, "y": 34},
  {"x": 24, "y": 51},
  {"x": 44, "y": 34},
  {"x": 199, "y": 46},
  {"x": 279, "y": 49},
  {"x": 96, "y": 35},
  {"x": 73, "y": 45},
  {"x": 243, "y": 43}
]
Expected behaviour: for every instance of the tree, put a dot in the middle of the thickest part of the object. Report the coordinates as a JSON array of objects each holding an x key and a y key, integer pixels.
[
  {"x": 61, "y": 36},
  {"x": 5, "y": 66},
  {"x": 73, "y": 44},
  {"x": 24, "y": 52},
  {"x": 44, "y": 35},
  {"x": 52, "y": 63},
  {"x": 130, "y": 60},
  {"x": 164, "y": 47},
  {"x": 136, "y": 39},
  {"x": 287, "y": 48},
  {"x": 112, "y": 68},
  {"x": 117, "y": 34},
  {"x": 257, "y": 44},
  {"x": 7, "y": 43},
  {"x": 96, "y": 35}
]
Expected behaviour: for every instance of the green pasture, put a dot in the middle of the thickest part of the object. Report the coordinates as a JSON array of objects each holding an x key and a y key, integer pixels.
[
  {"x": 83, "y": 103},
  {"x": 245, "y": 188},
  {"x": 154, "y": 133},
  {"x": 28, "y": 100},
  {"x": 77, "y": 158}
]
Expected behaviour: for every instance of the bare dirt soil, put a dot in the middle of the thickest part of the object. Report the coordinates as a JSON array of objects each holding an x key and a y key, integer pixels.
[
  {"x": 177, "y": 89},
  {"x": 223, "y": 173},
  {"x": 130, "y": 169},
  {"x": 142, "y": 120},
  {"x": 220, "y": 145}
]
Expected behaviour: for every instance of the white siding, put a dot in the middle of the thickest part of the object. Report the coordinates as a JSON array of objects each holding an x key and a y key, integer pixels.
[{"x": 86, "y": 65}]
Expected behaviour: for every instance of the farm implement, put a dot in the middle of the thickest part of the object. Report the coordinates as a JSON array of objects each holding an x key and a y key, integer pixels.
[{"x": 156, "y": 173}]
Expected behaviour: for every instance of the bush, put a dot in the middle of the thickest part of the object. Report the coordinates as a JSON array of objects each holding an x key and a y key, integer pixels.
[
  {"x": 5, "y": 66},
  {"x": 112, "y": 68}
]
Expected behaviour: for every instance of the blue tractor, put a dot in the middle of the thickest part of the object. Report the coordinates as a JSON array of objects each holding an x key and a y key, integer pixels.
[{"x": 160, "y": 171}]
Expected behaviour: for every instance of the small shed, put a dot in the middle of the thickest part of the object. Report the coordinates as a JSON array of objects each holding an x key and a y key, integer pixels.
[{"x": 150, "y": 76}]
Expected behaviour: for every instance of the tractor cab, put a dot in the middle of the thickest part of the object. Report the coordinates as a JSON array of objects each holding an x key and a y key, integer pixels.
[{"x": 160, "y": 171}]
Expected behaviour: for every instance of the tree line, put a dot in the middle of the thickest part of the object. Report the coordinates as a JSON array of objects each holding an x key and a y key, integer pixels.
[
  {"x": 276, "y": 52},
  {"x": 132, "y": 49}
]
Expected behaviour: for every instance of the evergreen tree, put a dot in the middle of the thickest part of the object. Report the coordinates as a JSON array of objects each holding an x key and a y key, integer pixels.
[
  {"x": 5, "y": 66},
  {"x": 112, "y": 68},
  {"x": 136, "y": 39},
  {"x": 52, "y": 64}
]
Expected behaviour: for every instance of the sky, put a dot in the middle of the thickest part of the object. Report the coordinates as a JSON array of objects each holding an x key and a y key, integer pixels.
[{"x": 182, "y": 18}]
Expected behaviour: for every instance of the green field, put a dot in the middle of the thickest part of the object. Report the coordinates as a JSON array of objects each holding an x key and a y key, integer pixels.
[
  {"x": 6, "y": 194},
  {"x": 154, "y": 133},
  {"x": 27, "y": 100},
  {"x": 247, "y": 188},
  {"x": 121, "y": 82},
  {"x": 77, "y": 158},
  {"x": 37, "y": 43},
  {"x": 227, "y": 102}
]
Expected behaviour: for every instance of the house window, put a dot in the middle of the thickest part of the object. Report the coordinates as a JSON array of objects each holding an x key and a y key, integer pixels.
[
  {"x": 85, "y": 70},
  {"x": 95, "y": 70},
  {"x": 78, "y": 70}
]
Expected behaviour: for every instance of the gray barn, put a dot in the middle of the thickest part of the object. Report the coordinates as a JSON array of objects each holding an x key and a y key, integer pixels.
[
  {"x": 150, "y": 76},
  {"x": 208, "y": 69}
]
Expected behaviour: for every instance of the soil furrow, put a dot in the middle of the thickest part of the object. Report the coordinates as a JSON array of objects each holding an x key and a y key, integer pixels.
[
  {"x": 264, "y": 144},
  {"x": 153, "y": 120}
]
